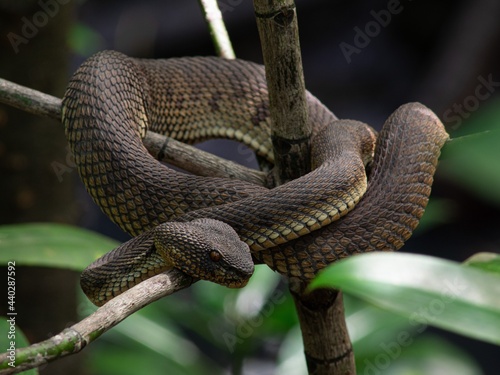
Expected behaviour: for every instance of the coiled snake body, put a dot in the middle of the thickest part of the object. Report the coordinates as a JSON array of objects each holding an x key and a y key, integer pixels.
[{"x": 193, "y": 223}]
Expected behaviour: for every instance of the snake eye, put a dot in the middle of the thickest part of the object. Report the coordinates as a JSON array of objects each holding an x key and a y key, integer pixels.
[{"x": 215, "y": 256}]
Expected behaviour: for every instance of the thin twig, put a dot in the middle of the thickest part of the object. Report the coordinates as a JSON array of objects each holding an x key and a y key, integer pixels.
[
  {"x": 163, "y": 148},
  {"x": 217, "y": 28},
  {"x": 75, "y": 338}
]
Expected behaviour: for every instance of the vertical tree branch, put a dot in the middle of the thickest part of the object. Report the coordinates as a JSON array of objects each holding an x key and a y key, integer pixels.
[
  {"x": 217, "y": 28},
  {"x": 326, "y": 341},
  {"x": 279, "y": 36},
  {"x": 327, "y": 345}
]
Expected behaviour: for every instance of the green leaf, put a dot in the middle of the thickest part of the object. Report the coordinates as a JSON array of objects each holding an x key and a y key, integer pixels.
[
  {"x": 384, "y": 343},
  {"x": 51, "y": 245},
  {"x": 370, "y": 326},
  {"x": 428, "y": 290},
  {"x": 472, "y": 159},
  {"x": 456, "y": 146},
  {"x": 486, "y": 261}
]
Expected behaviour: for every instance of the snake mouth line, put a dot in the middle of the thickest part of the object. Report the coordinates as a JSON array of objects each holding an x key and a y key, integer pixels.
[
  {"x": 233, "y": 282},
  {"x": 237, "y": 284}
]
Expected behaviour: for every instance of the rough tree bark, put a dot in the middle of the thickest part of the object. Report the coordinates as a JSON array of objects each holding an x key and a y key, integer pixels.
[
  {"x": 321, "y": 314},
  {"x": 290, "y": 132}
]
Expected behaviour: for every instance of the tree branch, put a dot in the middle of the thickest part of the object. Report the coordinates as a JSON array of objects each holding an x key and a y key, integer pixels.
[
  {"x": 321, "y": 313},
  {"x": 327, "y": 345},
  {"x": 75, "y": 338},
  {"x": 159, "y": 146},
  {"x": 291, "y": 132},
  {"x": 30, "y": 100},
  {"x": 217, "y": 28}
]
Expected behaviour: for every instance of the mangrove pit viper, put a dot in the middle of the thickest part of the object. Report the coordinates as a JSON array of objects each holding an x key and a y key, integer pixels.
[{"x": 195, "y": 223}]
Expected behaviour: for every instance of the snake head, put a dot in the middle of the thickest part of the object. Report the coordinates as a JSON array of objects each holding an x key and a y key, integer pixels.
[{"x": 206, "y": 249}]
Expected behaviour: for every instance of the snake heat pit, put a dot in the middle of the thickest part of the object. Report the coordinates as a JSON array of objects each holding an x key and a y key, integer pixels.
[{"x": 205, "y": 225}]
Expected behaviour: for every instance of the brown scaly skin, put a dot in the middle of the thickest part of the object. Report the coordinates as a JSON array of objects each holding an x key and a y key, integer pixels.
[
  {"x": 406, "y": 156},
  {"x": 215, "y": 253},
  {"x": 112, "y": 100}
]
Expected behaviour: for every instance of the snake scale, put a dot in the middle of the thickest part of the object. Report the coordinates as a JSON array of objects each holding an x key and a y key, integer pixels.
[{"x": 195, "y": 223}]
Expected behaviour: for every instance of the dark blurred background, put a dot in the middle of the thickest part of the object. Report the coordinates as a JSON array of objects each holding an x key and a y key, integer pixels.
[{"x": 360, "y": 60}]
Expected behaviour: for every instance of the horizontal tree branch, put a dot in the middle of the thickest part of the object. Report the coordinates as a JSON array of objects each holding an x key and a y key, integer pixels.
[
  {"x": 163, "y": 148},
  {"x": 75, "y": 338},
  {"x": 197, "y": 161},
  {"x": 30, "y": 100}
]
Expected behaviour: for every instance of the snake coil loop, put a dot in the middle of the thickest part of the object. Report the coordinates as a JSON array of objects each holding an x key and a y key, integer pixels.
[{"x": 297, "y": 228}]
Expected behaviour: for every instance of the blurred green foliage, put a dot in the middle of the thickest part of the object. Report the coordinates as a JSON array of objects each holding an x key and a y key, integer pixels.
[
  {"x": 52, "y": 245},
  {"x": 471, "y": 158},
  {"x": 428, "y": 290},
  {"x": 84, "y": 41},
  {"x": 485, "y": 261},
  {"x": 211, "y": 329}
]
